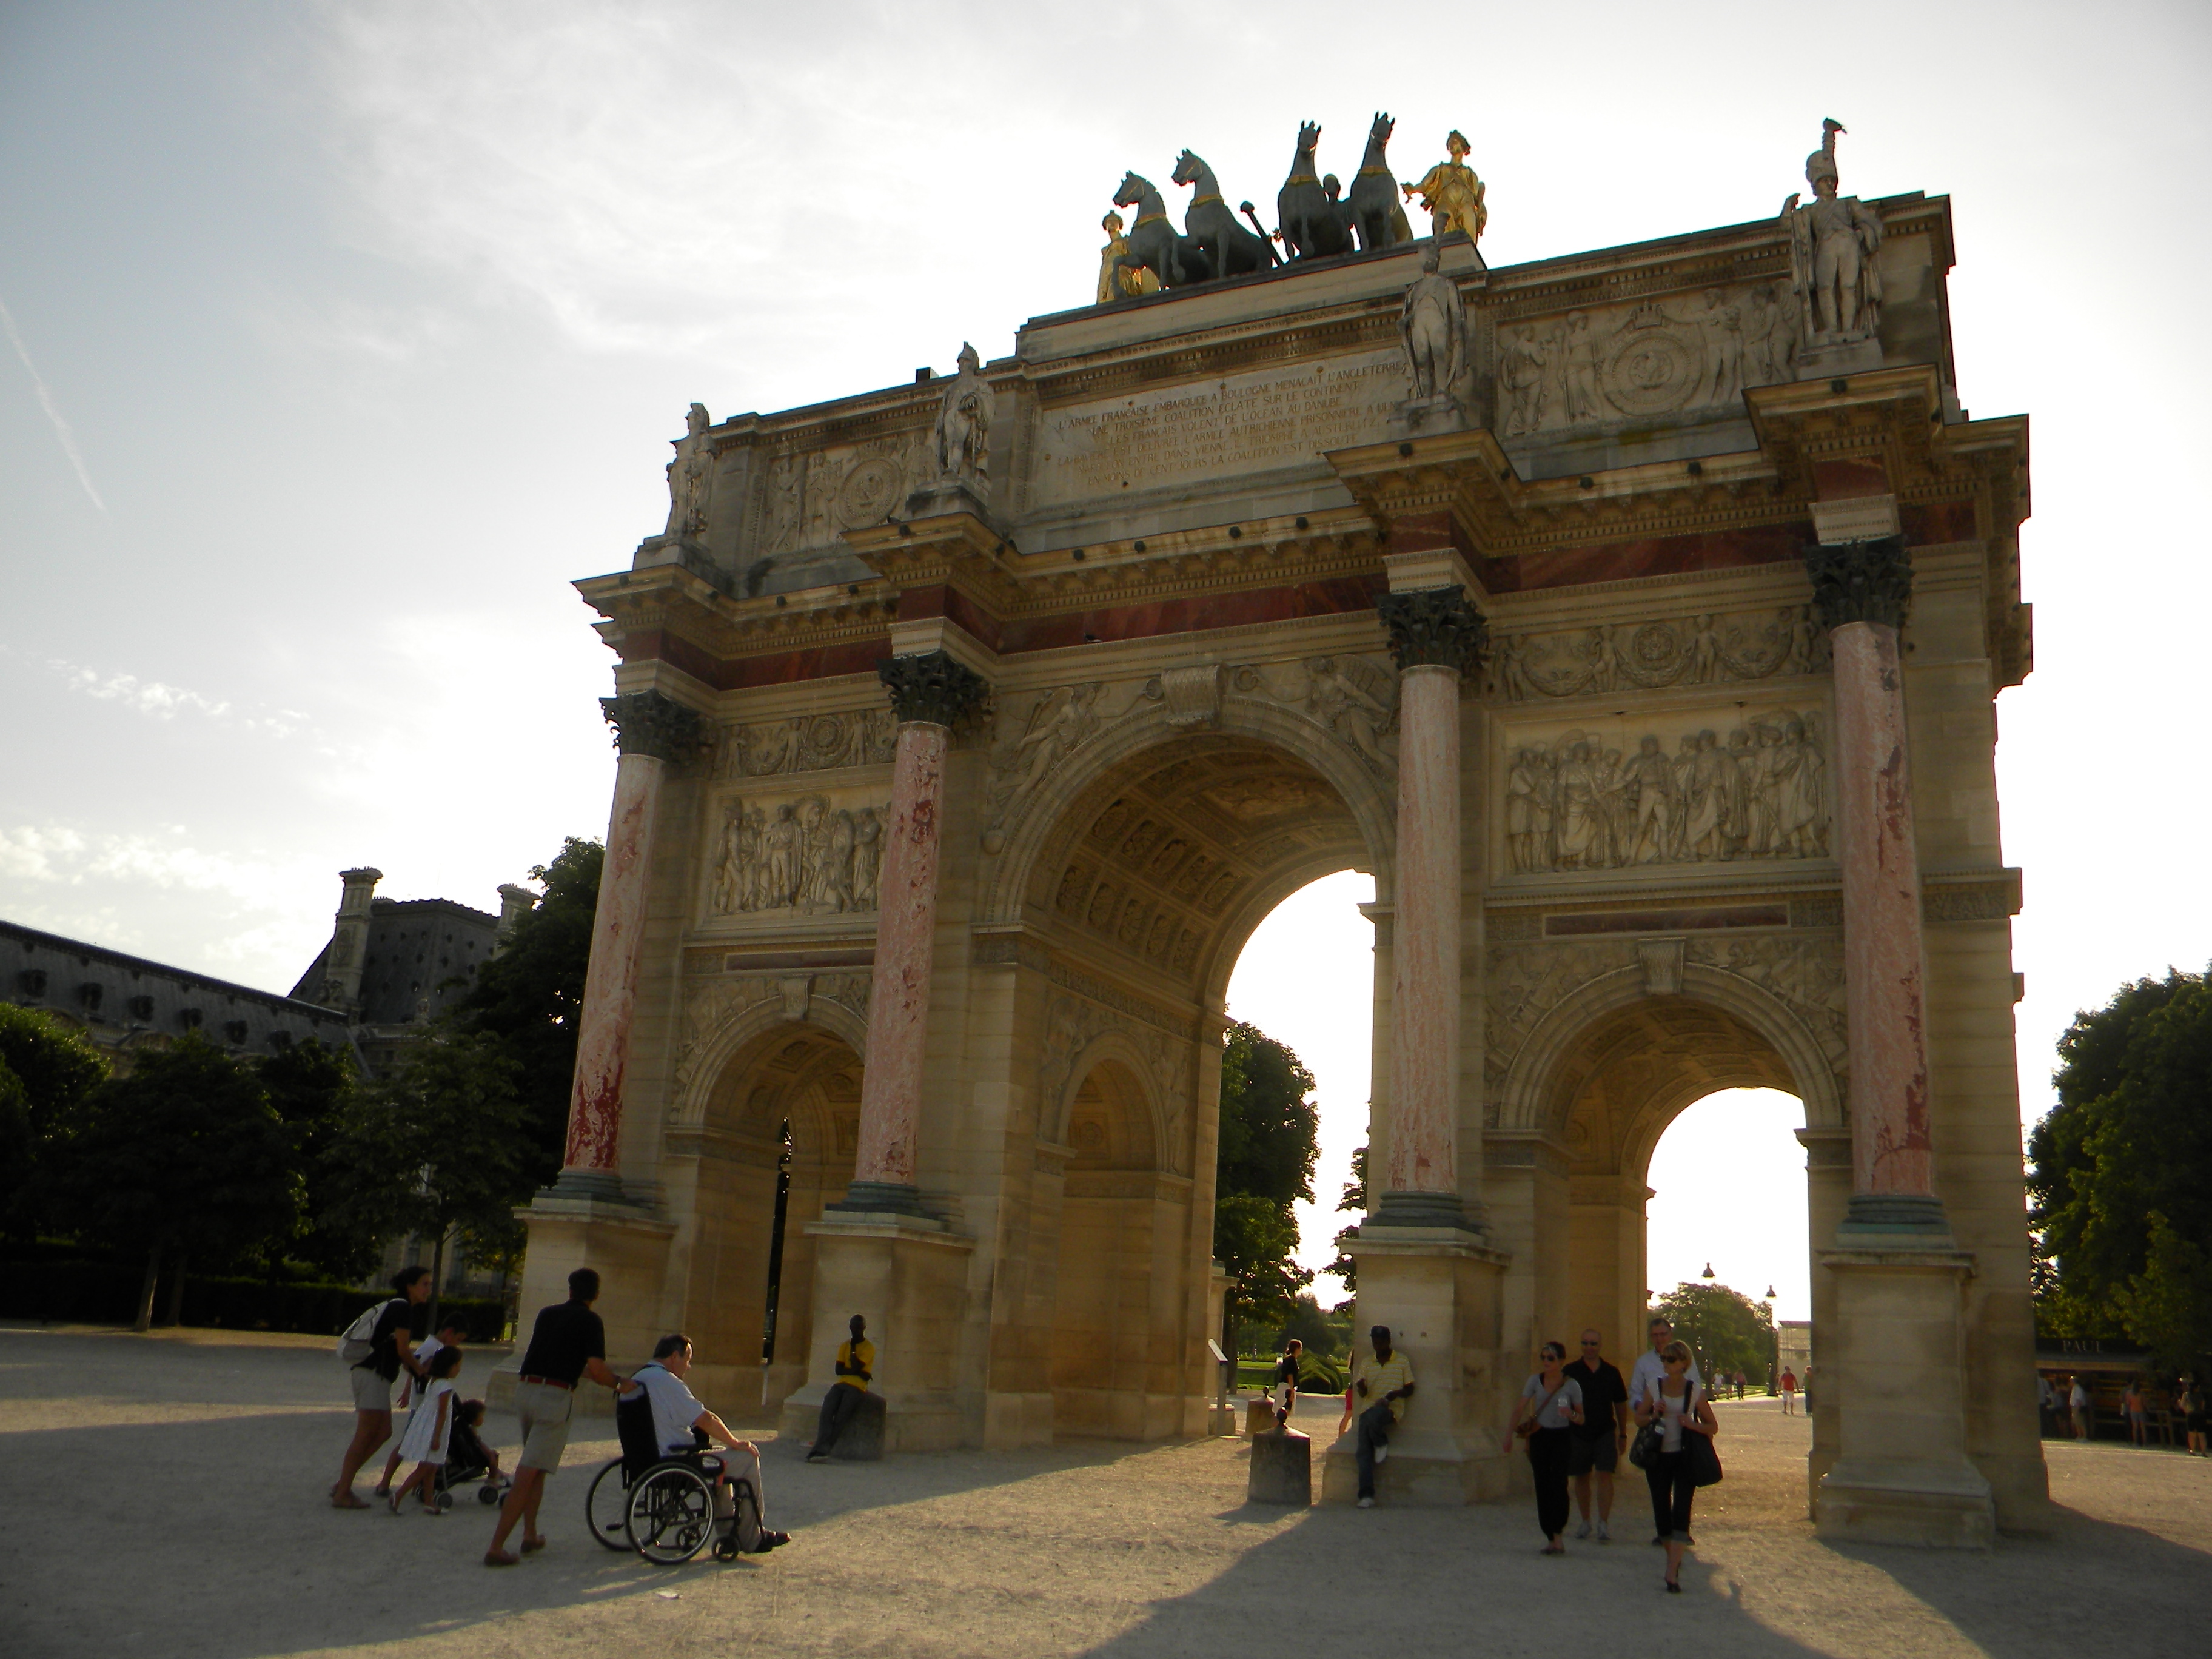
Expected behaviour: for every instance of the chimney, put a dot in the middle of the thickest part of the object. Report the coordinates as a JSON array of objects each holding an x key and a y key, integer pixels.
[
  {"x": 349, "y": 941},
  {"x": 514, "y": 903}
]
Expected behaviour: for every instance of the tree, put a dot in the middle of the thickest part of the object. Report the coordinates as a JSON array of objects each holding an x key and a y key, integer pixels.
[
  {"x": 1354, "y": 1202},
  {"x": 47, "y": 1069},
  {"x": 313, "y": 1088},
  {"x": 530, "y": 996},
  {"x": 2120, "y": 1181},
  {"x": 439, "y": 1144},
  {"x": 186, "y": 1155},
  {"x": 1267, "y": 1147},
  {"x": 1725, "y": 1328}
]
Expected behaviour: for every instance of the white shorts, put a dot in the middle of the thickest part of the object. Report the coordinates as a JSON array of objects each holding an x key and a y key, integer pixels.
[{"x": 371, "y": 1393}]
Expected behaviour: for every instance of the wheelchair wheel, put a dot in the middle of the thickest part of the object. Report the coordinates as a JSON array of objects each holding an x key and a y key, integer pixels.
[
  {"x": 607, "y": 1507},
  {"x": 672, "y": 1513}
]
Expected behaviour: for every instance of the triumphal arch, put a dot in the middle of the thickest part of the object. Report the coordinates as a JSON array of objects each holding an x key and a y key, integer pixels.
[{"x": 1636, "y": 617}]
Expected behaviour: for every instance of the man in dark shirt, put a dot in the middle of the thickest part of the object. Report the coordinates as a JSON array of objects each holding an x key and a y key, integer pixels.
[
  {"x": 391, "y": 1345},
  {"x": 567, "y": 1344},
  {"x": 1595, "y": 1443}
]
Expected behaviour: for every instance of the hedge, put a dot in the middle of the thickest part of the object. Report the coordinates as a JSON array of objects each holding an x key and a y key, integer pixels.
[{"x": 106, "y": 1293}]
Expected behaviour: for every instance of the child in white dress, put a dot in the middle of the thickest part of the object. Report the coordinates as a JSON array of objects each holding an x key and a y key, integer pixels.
[{"x": 429, "y": 1429}]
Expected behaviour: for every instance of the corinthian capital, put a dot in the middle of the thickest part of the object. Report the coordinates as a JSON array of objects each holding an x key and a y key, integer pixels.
[
  {"x": 1435, "y": 625},
  {"x": 647, "y": 723},
  {"x": 934, "y": 687},
  {"x": 1860, "y": 581}
]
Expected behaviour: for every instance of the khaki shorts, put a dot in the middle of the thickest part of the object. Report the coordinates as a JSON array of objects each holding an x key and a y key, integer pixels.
[
  {"x": 371, "y": 1393},
  {"x": 543, "y": 1410}
]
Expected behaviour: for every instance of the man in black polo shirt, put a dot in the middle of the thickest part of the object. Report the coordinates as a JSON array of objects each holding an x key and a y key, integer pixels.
[
  {"x": 567, "y": 1344},
  {"x": 1595, "y": 1444}
]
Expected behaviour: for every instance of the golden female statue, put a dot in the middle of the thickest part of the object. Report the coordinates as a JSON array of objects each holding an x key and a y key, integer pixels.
[
  {"x": 1452, "y": 193},
  {"x": 1134, "y": 281}
]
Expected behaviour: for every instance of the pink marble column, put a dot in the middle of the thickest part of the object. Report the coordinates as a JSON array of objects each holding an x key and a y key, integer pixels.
[
  {"x": 1425, "y": 937},
  {"x": 1862, "y": 591},
  {"x": 1436, "y": 637},
  {"x": 653, "y": 733},
  {"x": 930, "y": 694}
]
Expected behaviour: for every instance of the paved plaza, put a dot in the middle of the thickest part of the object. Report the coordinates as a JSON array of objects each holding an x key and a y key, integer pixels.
[{"x": 165, "y": 1499}]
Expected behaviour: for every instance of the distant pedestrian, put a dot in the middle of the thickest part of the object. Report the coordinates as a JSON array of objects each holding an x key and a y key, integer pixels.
[
  {"x": 2131, "y": 1412},
  {"x": 2193, "y": 1414},
  {"x": 1383, "y": 1380},
  {"x": 1598, "y": 1441},
  {"x": 448, "y": 1333},
  {"x": 377, "y": 1347},
  {"x": 1677, "y": 1404},
  {"x": 1789, "y": 1392},
  {"x": 1550, "y": 1407},
  {"x": 2046, "y": 1403},
  {"x": 1283, "y": 1386},
  {"x": 429, "y": 1432},
  {"x": 2077, "y": 1403},
  {"x": 855, "y": 1365},
  {"x": 567, "y": 1343}
]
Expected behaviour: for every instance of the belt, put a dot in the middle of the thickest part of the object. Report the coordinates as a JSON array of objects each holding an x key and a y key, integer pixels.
[{"x": 550, "y": 1383}]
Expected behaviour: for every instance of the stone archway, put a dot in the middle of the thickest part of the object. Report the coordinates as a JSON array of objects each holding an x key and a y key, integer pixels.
[{"x": 780, "y": 1110}]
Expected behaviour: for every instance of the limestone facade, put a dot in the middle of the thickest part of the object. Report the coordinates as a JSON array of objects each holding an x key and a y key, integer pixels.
[{"x": 1191, "y": 633}]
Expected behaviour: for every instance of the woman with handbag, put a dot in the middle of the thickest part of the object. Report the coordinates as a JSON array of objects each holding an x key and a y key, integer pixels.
[
  {"x": 1550, "y": 1402},
  {"x": 1682, "y": 1459}
]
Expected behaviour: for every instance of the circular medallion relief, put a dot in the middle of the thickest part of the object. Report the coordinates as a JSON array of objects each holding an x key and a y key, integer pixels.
[
  {"x": 868, "y": 492},
  {"x": 1648, "y": 370},
  {"x": 1654, "y": 648}
]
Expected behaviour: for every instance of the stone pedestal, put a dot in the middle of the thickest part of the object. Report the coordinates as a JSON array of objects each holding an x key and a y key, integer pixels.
[
  {"x": 862, "y": 1442},
  {"x": 625, "y": 1245},
  {"x": 1439, "y": 1290},
  {"x": 1221, "y": 1420},
  {"x": 1260, "y": 1416},
  {"x": 1282, "y": 1468},
  {"x": 907, "y": 1275},
  {"x": 1894, "y": 1375}
]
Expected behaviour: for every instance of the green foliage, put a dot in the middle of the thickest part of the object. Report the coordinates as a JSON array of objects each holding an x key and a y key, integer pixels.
[
  {"x": 1267, "y": 1145},
  {"x": 531, "y": 996},
  {"x": 106, "y": 1293},
  {"x": 1354, "y": 1201},
  {"x": 2120, "y": 1180},
  {"x": 440, "y": 1144},
  {"x": 47, "y": 1069},
  {"x": 313, "y": 1088},
  {"x": 1725, "y": 1328},
  {"x": 184, "y": 1154}
]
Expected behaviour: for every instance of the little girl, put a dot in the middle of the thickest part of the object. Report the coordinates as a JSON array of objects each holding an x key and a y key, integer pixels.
[{"x": 429, "y": 1427}]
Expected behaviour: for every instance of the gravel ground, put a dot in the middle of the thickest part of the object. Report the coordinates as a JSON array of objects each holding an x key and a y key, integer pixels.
[{"x": 166, "y": 1497}]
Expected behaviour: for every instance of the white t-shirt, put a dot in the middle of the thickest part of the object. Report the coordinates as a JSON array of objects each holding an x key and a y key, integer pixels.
[
  {"x": 674, "y": 1408},
  {"x": 1650, "y": 1372}
]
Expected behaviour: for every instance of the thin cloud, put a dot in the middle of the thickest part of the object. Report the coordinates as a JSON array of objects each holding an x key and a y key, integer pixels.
[
  {"x": 159, "y": 701},
  {"x": 46, "y": 402}
]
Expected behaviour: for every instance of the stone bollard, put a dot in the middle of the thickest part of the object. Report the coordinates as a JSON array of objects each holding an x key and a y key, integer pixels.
[
  {"x": 862, "y": 1441},
  {"x": 1282, "y": 1468},
  {"x": 1221, "y": 1420},
  {"x": 1260, "y": 1416}
]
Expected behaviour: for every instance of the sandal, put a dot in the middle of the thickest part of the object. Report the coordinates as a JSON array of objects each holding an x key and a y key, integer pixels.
[
  {"x": 532, "y": 1546},
  {"x": 499, "y": 1558},
  {"x": 348, "y": 1501}
]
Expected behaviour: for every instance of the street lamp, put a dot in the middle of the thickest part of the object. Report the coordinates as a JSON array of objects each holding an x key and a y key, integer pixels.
[
  {"x": 1709, "y": 1270},
  {"x": 1773, "y": 1343}
]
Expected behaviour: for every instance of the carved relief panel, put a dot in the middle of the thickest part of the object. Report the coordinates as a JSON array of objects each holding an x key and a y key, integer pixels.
[
  {"x": 807, "y": 742},
  {"x": 810, "y": 499},
  {"x": 1694, "y": 786},
  {"x": 810, "y": 854},
  {"x": 1662, "y": 651}
]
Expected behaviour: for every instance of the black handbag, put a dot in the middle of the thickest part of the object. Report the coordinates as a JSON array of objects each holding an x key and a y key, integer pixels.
[
  {"x": 1643, "y": 1450},
  {"x": 1703, "y": 1457}
]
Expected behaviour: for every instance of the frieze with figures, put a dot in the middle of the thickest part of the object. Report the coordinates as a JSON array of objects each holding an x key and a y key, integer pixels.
[
  {"x": 806, "y": 855},
  {"x": 1702, "y": 650},
  {"x": 807, "y": 743},
  {"x": 1595, "y": 799}
]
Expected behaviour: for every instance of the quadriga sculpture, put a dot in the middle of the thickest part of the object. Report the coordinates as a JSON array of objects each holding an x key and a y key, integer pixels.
[
  {"x": 1311, "y": 221},
  {"x": 1231, "y": 250},
  {"x": 1177, "y": 261},
  {"x": 1377, "y": 215}
]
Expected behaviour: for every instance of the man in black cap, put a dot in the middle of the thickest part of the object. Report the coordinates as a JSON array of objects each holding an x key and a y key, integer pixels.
[{"x": 1383, "y": 1382}]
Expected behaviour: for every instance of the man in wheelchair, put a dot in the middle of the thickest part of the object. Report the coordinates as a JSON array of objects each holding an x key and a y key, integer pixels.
[{"x": 683, "y": 1428}]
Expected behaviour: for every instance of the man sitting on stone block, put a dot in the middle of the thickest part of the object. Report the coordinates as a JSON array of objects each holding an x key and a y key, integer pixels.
[
  {"x": 1383, "y": 1380},
  {"x": 856, "y": 1362}
]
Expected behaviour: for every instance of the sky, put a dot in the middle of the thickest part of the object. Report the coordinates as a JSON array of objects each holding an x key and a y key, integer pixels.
[{"x": 340, "y": 340}]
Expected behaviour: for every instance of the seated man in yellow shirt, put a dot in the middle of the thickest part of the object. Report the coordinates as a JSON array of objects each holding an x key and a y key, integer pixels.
[
  {"x": 856, "y": 1369},
  {"x": 1383, "y": 1380}
]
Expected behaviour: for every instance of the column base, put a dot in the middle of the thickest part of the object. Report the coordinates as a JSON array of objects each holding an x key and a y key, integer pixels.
[
  {"x": 1439, "y": 1290},
  {"x": 1426, "y": 1210},
  {"x": 1896, "y": 1369},
  {"x": 881, "y": 1198},
  {"x": 595, "y": 1186},
  {"x": 907, "y": 1276},
  {"x": 1868, "y": 1214}
]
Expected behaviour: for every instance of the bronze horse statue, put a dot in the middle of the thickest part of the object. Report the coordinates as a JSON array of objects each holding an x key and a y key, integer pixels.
[
  {"x": 1177, "y": 261},
  {"x": 1312, "y": 224},
  {"x": 1378, "y": 214},
  {"x": 1231, "y": 249}
]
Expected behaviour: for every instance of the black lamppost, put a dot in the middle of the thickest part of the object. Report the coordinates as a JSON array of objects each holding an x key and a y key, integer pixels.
[{"x": 1773, "y": 1343}]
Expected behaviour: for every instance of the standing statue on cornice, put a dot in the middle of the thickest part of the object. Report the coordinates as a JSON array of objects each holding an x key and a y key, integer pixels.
[
  {"x": 1115, "y": 280},
  {"x": 1832, "y": 243},
  {"x": 964, "y": 428},
  {"x": 688, "y": 477},
  {"x": 1452, "y": 193},
  {"x": 1432, "y": 327}
]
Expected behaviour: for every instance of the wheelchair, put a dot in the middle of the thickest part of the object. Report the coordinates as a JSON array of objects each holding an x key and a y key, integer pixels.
[{"x": 661, "y": 1504}]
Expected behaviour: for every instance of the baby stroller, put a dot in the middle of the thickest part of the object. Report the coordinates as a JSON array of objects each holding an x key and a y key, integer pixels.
[
  {"x": 467, "y": 1461},
  {"x": 662, "y": 1504}
]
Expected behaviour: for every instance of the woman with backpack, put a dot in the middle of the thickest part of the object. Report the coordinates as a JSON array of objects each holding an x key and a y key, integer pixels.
[{"x": 375, "y": 1347}]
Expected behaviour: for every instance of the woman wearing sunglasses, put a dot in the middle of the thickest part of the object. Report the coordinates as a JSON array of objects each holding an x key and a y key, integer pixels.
[{"x": 1678, "y": 1405}]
